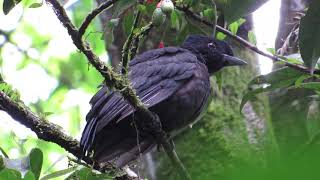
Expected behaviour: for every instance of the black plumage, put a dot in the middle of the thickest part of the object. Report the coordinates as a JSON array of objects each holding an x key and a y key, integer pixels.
[{"x": 173, "y": 82}]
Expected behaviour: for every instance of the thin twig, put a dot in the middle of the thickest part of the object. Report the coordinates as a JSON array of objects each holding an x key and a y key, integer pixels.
[
  {"x": 245, "y": 43},
  {"x": 214, "y": 24},
  {"x": 127, "y": 44},
  {"x": 137, "y": 38},
  {"x": 93, "y": 14}
]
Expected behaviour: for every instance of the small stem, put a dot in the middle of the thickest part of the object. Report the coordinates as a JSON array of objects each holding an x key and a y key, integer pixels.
[
  {"x": 214, "y": 24},
  {"x": 137, "y": 38},
  {"x": 173, "y": 156},
  {"x": 127, "y": 44},
  {"x": 93, "y": 14}
]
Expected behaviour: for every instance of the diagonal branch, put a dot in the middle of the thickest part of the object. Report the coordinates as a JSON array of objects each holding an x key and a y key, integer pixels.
[
  {"x": 44, "y": 129},
  {"x": 49, "y": 132},
  {"x": 245, "y": 43},
  {"x": 93, "y": 14}
]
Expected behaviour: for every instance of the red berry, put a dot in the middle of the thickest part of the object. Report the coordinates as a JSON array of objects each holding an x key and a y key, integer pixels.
[{"x": 161, "y": 44}]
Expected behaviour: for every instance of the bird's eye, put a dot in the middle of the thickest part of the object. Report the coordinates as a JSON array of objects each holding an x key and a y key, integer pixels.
[{"x": 212, "y": 45}]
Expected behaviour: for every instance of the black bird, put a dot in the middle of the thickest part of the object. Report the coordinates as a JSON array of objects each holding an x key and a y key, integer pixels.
[{"x": 172, "y": 82}]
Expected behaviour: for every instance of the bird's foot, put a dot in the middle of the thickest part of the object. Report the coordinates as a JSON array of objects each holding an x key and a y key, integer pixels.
[{"x": 172, "y": 145}]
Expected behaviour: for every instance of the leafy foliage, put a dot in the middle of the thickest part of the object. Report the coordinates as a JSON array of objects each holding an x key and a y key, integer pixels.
[
  {"x": 280, "y": 78},
  {"x": 7, "y": 89},
  {"x": 309, "y": 36},
  {"x": 36, "y": 159},
  {"x": 234, "y": 9},
  {"x": 29, "y": 166},
  {"x": 9, "y": 4}
]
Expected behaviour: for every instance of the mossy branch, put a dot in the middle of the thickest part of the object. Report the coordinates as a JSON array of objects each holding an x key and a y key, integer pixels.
[
  {"x": 43, "y": 129},
  {"x": 50, "y": 132}
]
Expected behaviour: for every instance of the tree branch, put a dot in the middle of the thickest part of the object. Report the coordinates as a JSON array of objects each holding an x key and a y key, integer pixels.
[
  {"x": 245, "y": 43},
  {"x": 93, "y": 14},
  {"x": 44, "y": 129},
  {"x": 50, "y": 132}
]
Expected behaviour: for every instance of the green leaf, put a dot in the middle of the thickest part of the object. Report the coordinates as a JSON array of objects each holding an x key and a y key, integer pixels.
[
  {"x": 309, "y": 36},
  {"x": 311, "y": 85},
  {"x": 210, "y": 14},
  {"x": 252, "y": 94},
  {"x": 235, "y": 9},
  {"x": 36, "y": 160},
  {"x": 300, "y": 80},
  {"x": 221, "y": 36},
  {"x": 29, "y": 176},
  {"x": 252, "y": 37},
  {"x": 235, "y": 26},
  {"x": 7, "y": 89},
  {"x": 36, "y": 5},
  {"x": 294, "y": 61},
  {"x": 86, "y": 173},
  {"x": 8, "y": 174},
  {"x": 8, "y": 5},
  {"x": 175, "y": 23},
  {"x": 281, "y": 78},
  {"x": 59, "y": 173},
  {"x": 271, "y": 50},
  {"x": 277, "y": 77},
  {"x": 142, "y": 8}
]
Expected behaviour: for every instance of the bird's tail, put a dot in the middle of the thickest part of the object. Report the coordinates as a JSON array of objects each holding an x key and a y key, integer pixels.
[{"x": 119, "y": 147}]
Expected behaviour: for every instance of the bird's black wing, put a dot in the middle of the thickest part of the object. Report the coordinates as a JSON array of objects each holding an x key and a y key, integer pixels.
[{"x": 155, "y": 75}]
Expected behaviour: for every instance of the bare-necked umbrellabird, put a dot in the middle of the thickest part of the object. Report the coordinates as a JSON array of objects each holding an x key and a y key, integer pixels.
[{"x": 172, "y": 82}]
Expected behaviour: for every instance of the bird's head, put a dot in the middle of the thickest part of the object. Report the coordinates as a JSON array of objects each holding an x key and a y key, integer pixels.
[{"x": 216, "y": 54}]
